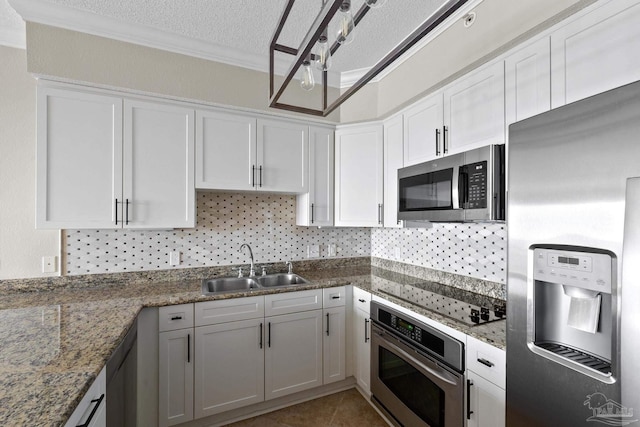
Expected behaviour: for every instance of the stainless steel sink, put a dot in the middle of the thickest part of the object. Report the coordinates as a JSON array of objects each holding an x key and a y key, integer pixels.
[
  {"x": 283, "y": 279},
  {"x": 228, "y": 284}
]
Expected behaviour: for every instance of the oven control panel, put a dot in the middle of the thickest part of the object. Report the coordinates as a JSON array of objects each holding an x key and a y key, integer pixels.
[{"x": 407, "y": 329}]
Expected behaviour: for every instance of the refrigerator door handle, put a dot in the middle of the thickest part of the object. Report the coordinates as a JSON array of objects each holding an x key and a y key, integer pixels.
[{"x": 629, "y": 297}]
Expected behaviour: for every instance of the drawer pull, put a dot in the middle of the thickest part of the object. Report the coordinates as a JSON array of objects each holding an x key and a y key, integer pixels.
[
  {"x": 361, "y": 300},
  {"x": 486, "y": 362},
  {"x": 176, "y": 318},
  {"x": 335, "y": 297},
  {"x": 97, "y": 402}
]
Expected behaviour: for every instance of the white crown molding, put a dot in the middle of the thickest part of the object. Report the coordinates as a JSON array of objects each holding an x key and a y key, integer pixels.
[
  {"x": 43, "y": 12},
  {"x": 13, "y": 37},
  {"x": 46, "y": 13}
]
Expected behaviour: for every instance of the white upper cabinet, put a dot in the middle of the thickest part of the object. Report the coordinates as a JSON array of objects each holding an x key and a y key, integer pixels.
[
  {"x": 393, "y": 150},
  {"x": 359, "y": 176},
  {"x": 104, "y": 166},
  {"x": 423, "y": 138},
  {"x": 528, "y": 81},
  {"x": 241, "y": 153},
  {"x": 225, "y": 151},
  {"x": 282, "y": 156},
  {"x": 474, "y": 110},
  {"x": 159, "y": 188},
  {"x": 79, "y": 159},
  {"x": 315, "y": 208},
  {"x": 597, "y": 52}
]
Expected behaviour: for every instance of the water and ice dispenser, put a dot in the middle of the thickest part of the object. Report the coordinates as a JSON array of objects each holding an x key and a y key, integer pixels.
[{"x": 571, "y": 316}]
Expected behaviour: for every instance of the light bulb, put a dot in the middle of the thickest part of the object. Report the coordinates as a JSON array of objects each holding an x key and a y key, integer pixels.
[
  {"x": 307, "y": 82},
  {"x": 346, "y": 24},
  {"x": 374, "y": 4},
  {"x": 323, "y": 57}
]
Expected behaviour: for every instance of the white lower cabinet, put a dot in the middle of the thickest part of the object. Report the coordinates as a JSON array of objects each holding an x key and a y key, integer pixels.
[
  {"x": 229, "y": 366},
  {"x": 293, "y": 356},
  {"x": 91, "y": 412},
  {"x": 175, "y": 379},
  {"x": 486, "y": 379},
  {"x": 334, "y": 338},
  {"x": 486, "y": 402},
  {"x": 216, "y": 356},
  {"x": 362, "y": 339}
]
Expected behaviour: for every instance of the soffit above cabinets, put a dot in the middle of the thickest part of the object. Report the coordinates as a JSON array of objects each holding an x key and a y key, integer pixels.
[{"x": 238, "y": 32}]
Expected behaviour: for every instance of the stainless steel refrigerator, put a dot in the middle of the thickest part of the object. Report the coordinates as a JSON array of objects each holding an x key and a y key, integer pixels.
[{"x": 573, "y": 320}]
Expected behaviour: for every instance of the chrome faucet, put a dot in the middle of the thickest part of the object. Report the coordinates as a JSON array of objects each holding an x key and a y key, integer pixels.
[
  {"x": 290, "y": 267},
  {"x": 252, "y": 271}
]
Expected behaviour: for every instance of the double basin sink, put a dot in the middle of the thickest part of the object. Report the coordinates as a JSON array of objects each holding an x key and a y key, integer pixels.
[{"x": 240, "y": 284}]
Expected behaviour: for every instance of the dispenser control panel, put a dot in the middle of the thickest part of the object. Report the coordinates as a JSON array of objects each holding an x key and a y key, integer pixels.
[{"x": 586, "y": 270}]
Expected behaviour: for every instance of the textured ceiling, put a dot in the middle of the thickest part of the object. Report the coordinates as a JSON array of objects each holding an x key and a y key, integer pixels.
[
  {"x": 11, "y": 26},
  {"x": 248, "y": 25}
]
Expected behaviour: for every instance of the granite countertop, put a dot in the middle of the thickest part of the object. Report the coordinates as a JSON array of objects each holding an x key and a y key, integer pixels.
[{"x": 53, "y": 343}]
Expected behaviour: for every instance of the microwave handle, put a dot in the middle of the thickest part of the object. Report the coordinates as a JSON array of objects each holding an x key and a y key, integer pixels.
[
  {"x": 455, "y": 188},
  {"x": 463, "y": 187}
]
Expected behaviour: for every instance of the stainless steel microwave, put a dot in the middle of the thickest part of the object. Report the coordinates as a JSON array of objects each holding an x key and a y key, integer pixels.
[{"x": 468, "y": 186}]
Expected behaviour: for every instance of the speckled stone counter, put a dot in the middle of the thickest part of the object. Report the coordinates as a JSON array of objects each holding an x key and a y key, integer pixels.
[{"x": 55, "y": 339}]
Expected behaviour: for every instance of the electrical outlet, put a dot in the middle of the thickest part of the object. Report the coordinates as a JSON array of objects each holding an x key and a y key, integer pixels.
[
  {"x": 49, "y": 264},
  {"x": 397, "y": 252},
  {"x": 331, "y": 249},
  {"x": 313, "y": 251},
  {"x": 174, "y": 258}
]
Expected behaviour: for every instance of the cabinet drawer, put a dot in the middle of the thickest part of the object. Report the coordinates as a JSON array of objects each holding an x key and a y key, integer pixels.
[
  {"x": 334, "y": 297},
  {"x": 293, "y": 302},
  {"x": 486, "y": 361},
  {"x": 361, "y": 299},
  {"x": 229, "y": 310},
  {"x": 175, "y": 317}
]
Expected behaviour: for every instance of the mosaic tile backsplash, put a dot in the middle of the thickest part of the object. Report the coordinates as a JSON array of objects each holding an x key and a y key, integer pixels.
[
  {"x": 267, "y": 222},
  {"x": 225, "y": 221},
  {"x": 469, "y": 249}
]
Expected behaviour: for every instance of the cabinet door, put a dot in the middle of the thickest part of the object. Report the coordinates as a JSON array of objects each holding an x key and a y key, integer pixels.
[
  {"x": 225, "y": 151},
  {"x": 362, "y": 350},
  {"x": 229, "y": 366},
  {"x": 486, "y": 401},
  {"x": 159, "y": 187},
  {"x": 79, "y": 159},
  {"x": 359, "y": 177},
  {"x": 283, "y": 157},
  {"x": 596, "y": 52},
  {"x": 175, "y": 379},
  {"x": 293, "y": 357},
  {"x": 315, "y": 208},
  {"x": 392, "y": 162},
  {"x": 334, "y": 340},
  {"x": 474, "y": 110},
  {"x": 528, "y": 81},
  {"x": 423, "y": 130}
]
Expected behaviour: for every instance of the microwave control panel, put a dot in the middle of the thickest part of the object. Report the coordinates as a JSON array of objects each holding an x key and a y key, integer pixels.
[{"x": 476, "y": 174}]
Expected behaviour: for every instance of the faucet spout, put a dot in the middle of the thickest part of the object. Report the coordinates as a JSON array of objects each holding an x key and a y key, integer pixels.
[{"x": 252, "y": 271}]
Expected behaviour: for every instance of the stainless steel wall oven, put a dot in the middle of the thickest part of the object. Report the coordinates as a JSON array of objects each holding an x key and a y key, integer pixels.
[{"x": 416, "y": 371}]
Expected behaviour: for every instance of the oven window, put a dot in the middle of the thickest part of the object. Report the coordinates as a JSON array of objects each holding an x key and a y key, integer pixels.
[
  {"x": 412, "y": 387},
  {"x": 427, "y": 191}
]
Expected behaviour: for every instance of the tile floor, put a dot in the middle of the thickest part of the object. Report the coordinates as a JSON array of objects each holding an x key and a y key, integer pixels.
[{"x": 344, "y": 409}]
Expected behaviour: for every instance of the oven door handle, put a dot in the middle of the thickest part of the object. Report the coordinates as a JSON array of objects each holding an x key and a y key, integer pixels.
[{"x": 436, "y": 371}]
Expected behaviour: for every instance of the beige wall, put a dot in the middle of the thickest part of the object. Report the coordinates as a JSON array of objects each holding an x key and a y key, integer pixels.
[
  {"x": 80, "y": 57},
  {"x": 21, "y": 245}
]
